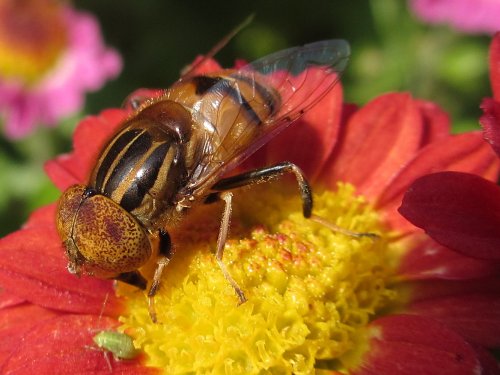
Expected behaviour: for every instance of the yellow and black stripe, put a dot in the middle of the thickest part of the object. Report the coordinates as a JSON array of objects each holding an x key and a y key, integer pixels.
[
  {"x": 158, "y": 150},
  {"x": 141, "y": 168}
]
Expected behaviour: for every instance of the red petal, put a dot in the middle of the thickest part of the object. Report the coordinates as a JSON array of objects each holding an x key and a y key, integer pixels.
[
  {"x": 8, "y": 299},
  {"x": 348, "y": 110},
  {"x": 459, "y": 210},
  {"x": 378, "y": 140},
  {"x": 205, "y": 65},
  {"x": 488, "y": 362},
  {"x": 475, "y": 316},
  {"x": 33, "y": 267},
  {"x": 414, "y": 345},
  {"x": 60, "y": 170},
  {"x": 436, "y": 122},
  {"x": 240, "y": 63},
  {"x": 309, "y": 141},
  {"x": 64, "y": 345},
  {"x": 430, "y": 260},
  {"x": 89, "y": 138},
  {"x": 424, "y": 290},
  {"x": 495, "y": 66},
  {"x": 23, "y": 316},
  {"x": 464, "y": 152},
  {"x": 490, "y": 121},
  {"x": 15, "y": 322},
  {"x": 42, "y": 217}
]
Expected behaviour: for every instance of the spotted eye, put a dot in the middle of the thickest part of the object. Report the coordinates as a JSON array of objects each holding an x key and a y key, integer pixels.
[{"x": 103, "y": 237}]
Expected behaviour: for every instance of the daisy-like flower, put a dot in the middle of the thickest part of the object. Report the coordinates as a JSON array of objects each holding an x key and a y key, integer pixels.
[
  {"x": 318, "y": 301},
  {"x": 470, "y": 16},
  {"x": 50, "y": 56},
  {"x": 462, "y": 211}
]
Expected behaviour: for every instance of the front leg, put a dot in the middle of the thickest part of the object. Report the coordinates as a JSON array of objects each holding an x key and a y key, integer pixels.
[{"x": 163, "y": 259}]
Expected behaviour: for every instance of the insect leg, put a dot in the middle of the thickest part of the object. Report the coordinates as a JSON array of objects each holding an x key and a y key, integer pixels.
[
  {"x": 133, "y": 278},
  {"x": 265, "y": 174},
  {"x": 162, "y": 261},
  {"x": 221, "y": 239},
  {"x": 257, "y": 176}
]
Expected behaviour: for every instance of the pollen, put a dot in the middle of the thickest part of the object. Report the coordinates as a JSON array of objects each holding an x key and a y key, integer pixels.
[
  {"x": 310, "y": 291},
  {"x": 32, "y": 38}
]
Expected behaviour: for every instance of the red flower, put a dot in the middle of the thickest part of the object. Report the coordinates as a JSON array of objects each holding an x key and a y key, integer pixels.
[
  {"x": 462, "y": 211},
  {"x": 445, "y": 309}
]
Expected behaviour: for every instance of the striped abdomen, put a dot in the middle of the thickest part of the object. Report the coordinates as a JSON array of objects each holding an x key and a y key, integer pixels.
[{"x": 143, "y": 166}]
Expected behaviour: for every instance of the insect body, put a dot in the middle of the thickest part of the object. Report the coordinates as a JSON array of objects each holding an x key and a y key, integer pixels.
[
  {"x": 173, "y": 152},
  {"x": 119, "y": 344}
]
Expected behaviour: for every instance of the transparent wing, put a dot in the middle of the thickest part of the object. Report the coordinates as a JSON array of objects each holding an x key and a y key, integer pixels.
[
  {"x": 302, "y": 75},
  {"x": 247, "y": 107}
]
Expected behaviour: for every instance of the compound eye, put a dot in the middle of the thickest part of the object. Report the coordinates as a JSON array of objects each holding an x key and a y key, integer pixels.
[
  {"x": 67, "y": 208},
  {"x": 109, "y": 238}
]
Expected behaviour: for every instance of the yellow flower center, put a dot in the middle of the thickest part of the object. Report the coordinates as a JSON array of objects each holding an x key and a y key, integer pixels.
[
  {"x": 310, "y": 290},
  {"x": 32, "y": 37}
]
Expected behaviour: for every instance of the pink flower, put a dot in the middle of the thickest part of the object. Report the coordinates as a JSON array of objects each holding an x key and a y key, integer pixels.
[
  {"x": 470, "y": 16},
  {"x": 50, "y": 56}
]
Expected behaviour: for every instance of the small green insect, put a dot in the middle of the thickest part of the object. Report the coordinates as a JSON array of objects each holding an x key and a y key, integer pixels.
[{"x": 117, "y": 343}]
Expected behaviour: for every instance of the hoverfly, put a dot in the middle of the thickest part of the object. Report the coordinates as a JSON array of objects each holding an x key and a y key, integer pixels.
[{"x": 174, "y": 152}]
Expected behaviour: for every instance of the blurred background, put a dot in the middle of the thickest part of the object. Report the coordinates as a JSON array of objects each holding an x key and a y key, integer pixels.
[{"x": 392, "y": 50}]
